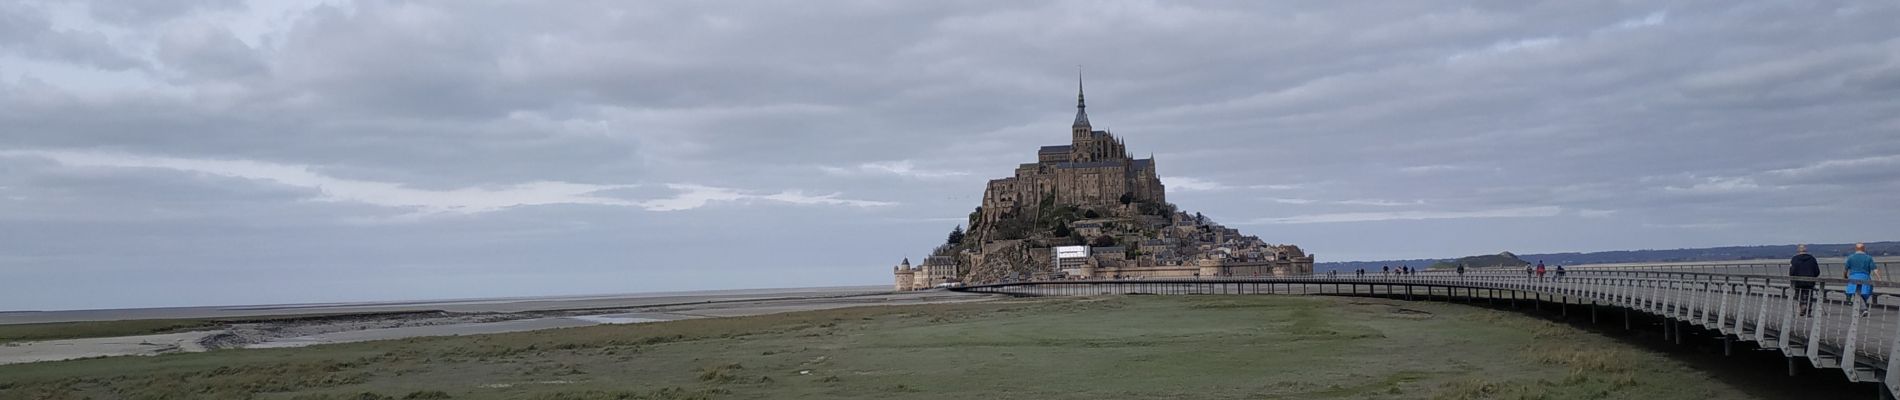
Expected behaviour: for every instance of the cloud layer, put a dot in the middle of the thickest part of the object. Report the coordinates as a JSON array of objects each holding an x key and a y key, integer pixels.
[{"x": 596, "y": 146}]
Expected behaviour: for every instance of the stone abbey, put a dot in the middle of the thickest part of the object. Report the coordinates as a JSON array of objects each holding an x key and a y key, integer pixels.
[
  {"x": 1093, "y": 170},
  {"x": 1088, "y": 210}
]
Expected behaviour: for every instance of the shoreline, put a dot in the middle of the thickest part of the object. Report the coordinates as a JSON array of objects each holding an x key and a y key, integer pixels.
[
  {"x": 467, "y": 305},
  {"x": 371, "y": 326}
]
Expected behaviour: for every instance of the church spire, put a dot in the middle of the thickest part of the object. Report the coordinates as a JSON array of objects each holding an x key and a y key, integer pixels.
[{"x": 1081, "y": 112}]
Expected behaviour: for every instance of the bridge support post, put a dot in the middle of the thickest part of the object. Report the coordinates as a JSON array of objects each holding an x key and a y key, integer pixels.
[
  {"x": 1666, "y": 329},
  {"x": 1626, "y": 319},
  {"x": 1792, "y": 368},
  {"x": 1678, "y": 325},
  {"x": 1593, "y": 313},
  {"x": 1727, "y": 346}
]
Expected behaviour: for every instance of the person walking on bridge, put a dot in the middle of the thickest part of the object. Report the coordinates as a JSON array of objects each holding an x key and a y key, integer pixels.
[
  {"x": 1540, "y": 270},
  {"x": 1461, "y": 270},
  {"x": 1560, "y": 272},
  {"x": 1860, "y": 270},
  {"x": 1804, "y": 265},
  {"x": 1527, "y": 272}
]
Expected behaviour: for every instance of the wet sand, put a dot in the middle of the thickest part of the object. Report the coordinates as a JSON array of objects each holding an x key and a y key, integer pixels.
[
  {"x": 53, "y": 350},
  {"x": 534, "y": 314},
  {"x": 491, "y": 305}
]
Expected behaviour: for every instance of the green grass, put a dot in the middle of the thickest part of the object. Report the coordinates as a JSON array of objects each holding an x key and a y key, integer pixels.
[
  {"x": 1227, "y": 347},
  {"x": 90, "y": 329}
]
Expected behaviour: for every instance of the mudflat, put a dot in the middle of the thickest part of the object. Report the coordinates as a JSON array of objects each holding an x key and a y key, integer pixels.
[
  {"x": 39, "y": 342},
  {"x": 1059, "y": 348},
  {"x": 487, "y": 305}
]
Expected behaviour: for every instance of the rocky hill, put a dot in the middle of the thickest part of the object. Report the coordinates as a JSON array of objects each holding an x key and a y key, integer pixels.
[
  {"x": 1108, "y": 210},
  {"x": 1505, "y": 259}
]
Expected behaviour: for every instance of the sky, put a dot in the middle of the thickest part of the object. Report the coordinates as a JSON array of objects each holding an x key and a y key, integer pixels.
[{"x": 206, "y": 152}]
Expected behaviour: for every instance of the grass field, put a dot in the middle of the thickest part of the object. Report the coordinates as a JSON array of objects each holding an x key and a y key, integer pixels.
[
  {"x": 1111, "y": 347},
  {"x": 91, "y": 329}
]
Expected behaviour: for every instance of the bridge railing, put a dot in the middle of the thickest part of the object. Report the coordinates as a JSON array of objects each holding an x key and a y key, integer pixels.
[{"x": 1764, "y": 268}]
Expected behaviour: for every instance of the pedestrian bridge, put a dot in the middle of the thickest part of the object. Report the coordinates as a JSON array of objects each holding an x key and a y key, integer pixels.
[{"x": 1737, "y": 303}]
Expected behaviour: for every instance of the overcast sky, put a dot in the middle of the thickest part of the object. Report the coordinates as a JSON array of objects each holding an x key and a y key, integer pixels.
[{"x": 160, "y": 153}]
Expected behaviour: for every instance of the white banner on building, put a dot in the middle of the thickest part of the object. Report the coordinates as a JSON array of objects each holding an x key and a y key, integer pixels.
[{"x": 1072, "y": 252}]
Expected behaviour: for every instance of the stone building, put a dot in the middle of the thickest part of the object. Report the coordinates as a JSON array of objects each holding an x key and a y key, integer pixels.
[
  {"x": 1093, "y": 170},
  {"x": 935, "y": 270},
  {"x": 906, "y": 275}
]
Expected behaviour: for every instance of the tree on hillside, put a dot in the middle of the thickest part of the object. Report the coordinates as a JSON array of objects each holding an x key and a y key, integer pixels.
[
  {"x": 956, "y": 236},
  {"x": 1127, "y": 198},
  {"x": 1103, "y": 241},
  {"x": 1147, "y": 208},
  {"x": 1091, "y": 214},
  {"x": 1061, "y": 230}
]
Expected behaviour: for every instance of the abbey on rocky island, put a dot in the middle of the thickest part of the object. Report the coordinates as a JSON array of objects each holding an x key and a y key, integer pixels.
[{"x": 1087, "y": 210}]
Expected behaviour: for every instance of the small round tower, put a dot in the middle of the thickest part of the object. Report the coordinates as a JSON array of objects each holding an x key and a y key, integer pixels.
[{"x": 905, "y": 275}]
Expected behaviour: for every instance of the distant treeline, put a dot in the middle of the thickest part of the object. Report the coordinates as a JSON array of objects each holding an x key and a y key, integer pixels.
[{"x": 1730, "y": 253}]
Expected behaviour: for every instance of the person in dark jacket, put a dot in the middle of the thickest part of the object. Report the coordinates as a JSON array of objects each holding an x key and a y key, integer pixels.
[{"x": 1804, "y": 265}]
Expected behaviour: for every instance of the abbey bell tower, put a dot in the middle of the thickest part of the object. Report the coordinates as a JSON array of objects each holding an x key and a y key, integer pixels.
[{"x": 1080, "y": 131}]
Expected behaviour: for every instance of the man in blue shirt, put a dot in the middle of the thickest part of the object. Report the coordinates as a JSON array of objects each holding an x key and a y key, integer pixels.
[{"x": 1861, "y": 267}]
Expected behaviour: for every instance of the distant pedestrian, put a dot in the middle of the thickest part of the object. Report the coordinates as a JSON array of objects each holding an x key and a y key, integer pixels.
[
  {"x": 1803, "y": 265},
  {"x": 1560, "y": 271},
  {"x": 1860, "y": 272},
  {"x": 1540, "y": 270},
  {"x": 1461, "y": 270},
  {"x": 1527, "y": 272},
  {"x": 1385, "y": 270}
]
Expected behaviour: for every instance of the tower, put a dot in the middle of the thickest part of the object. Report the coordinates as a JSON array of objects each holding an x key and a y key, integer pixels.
[
  {"x": 1081, "y": 127},
  {"x": 905, "y": 275}
]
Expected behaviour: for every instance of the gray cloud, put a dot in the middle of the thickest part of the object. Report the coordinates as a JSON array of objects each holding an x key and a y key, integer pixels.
[
  {"x": 207, "y": 53},
  {"x": 26, "y": 31},
  {"x": 671, "y": 145},
  {"x": 142, "y": 13}
]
